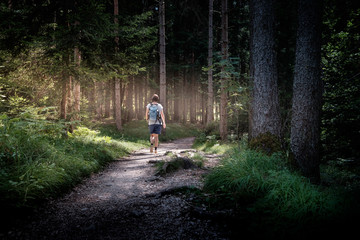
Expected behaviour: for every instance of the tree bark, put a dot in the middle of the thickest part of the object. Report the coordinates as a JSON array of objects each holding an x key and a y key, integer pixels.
[
  {"x": 224, "y": 78},
  {"x": 129, "y": 99},
  {"x": 91, "y": 97},
  {"x": 176, "y": 94},
  {"x": 117, "y": 100},
  {"x": 183, "y": 97},
  {"x": 210, "y": 99},
  {"x": 63, "y": 110},
  {"x": 307, "y": 90},
  {"x": 192, "y": 91},
  {"x": 77, "y": 89},
  {"x": 162, "y": 55},
  {"x": 265, "y": 110},
  {"x": 108, "y": 97},
  {"x": 137, "y": 100}
]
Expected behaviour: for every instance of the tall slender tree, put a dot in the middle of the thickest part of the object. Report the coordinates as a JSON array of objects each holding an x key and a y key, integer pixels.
[
  {"x": 210, "y": 98},
  {"x": 117, "y": 97},
  {"x": 265, "y": 110},
  {"x": 224, "y": 75},
  {"x": 77, "y": 88},
  {"x": 162, "y": 54},
  {"x": 307, "y": 90}
]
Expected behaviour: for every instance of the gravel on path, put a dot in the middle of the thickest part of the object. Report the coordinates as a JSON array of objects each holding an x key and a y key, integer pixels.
[{"x": 126, "y": 201}]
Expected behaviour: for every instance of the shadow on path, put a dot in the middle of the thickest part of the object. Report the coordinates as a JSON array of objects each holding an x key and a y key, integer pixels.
[{"x": 122, "y": 202}]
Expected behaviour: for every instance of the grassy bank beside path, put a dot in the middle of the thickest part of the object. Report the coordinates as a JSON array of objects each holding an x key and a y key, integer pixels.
[{"x": 40, "y": 160}]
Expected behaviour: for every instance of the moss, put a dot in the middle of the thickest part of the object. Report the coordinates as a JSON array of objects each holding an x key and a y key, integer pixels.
[{"x": 266, "y": 142}]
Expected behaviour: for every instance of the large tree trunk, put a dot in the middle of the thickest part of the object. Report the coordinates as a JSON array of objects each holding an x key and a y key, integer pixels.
[
  {"x": 224, "y": 79},
  {"x": 265, "y": 110},
  {"x": 162, "y": 55},
  {"x": 307, "y": 90},
  {"x": 210, "y": 99}
]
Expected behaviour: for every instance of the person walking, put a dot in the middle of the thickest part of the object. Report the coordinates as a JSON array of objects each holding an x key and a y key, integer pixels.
[{"x": 156, "y": 120}]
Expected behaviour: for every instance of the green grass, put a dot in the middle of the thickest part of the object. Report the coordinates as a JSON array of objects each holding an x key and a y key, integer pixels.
[
  {"x": 271, "y": 196},
  {"x": 138, "y": 130},
  {"x": 39, "y": 159},
  {"x": 215, "y": 147}
]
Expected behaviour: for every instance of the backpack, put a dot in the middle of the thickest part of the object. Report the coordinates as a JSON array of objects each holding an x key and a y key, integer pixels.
[{"x": 154, "y": 113}]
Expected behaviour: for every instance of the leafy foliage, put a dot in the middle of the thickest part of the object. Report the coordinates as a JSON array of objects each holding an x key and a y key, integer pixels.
[{"x": 341, "y": 111}]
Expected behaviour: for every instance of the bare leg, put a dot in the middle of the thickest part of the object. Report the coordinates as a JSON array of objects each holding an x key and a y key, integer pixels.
[
  {"x": 156, "y": 138},
  {"x": 152, "y": 140}
]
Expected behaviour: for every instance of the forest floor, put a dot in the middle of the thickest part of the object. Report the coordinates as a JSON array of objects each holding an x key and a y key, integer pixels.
[{"x": 127, "y": 201}]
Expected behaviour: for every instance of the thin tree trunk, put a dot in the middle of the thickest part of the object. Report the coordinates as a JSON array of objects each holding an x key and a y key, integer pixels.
[
  {"x": 117, "y": 100},
  {"x": 176, "y": 97},
  {"x": 77, "y": 90},
  {"x": 210, "y": 99},
  {"x": 69, "y": 95},
  {"x": 162, "y": 55},
  {"x": 91, "y": 97},
  {"x": 192, "y": 91},
  {"x": 108, "y": 97},
  {"x": 265, "y": 110},
  {"x": 224, "y": 78},
  {"x": 113, "y": 97},
  {"x": 117, "y": 104},
  {"x": 136, "y": 95},
  {"x": 98, "y": 89},
  {"x": 203, "y": 108},
  {"x": 142, "y": 95},
  {"x": 184, "y": 97},
  {"x": 307, "y": 90},
  {"x": 129, "y": 100},
  {"x": 63, "y": 110}
]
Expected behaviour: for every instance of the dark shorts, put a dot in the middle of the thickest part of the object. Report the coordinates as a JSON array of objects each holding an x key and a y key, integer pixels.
[{"x": 155, "y": 128}]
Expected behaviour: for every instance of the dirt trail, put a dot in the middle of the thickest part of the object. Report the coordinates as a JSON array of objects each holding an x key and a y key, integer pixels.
[{"x": 125, "y": 201}]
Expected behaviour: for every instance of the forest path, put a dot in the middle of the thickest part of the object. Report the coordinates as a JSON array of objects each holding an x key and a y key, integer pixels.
[{"x": 127, "y": 201}]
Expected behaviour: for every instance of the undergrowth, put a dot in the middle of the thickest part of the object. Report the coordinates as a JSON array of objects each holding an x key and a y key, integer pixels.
[
  {"x": 271, "y": 196},
  {"x": 40, "y": 159}
]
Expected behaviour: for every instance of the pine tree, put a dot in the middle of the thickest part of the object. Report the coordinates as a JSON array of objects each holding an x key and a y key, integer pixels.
[
  {"x": 210, "y": 99},
  {"x": 224, "y": 78},
  {"x": 162, "y": 52}
]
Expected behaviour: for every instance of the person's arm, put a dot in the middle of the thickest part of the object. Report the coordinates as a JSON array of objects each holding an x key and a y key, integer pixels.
[
  {"x": 147, "y": 114},
  {"x": 163, "y": 118}
]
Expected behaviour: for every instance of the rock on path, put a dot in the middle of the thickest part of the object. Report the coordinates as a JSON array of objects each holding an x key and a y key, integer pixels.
[{"x": 124, "y": 202}]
